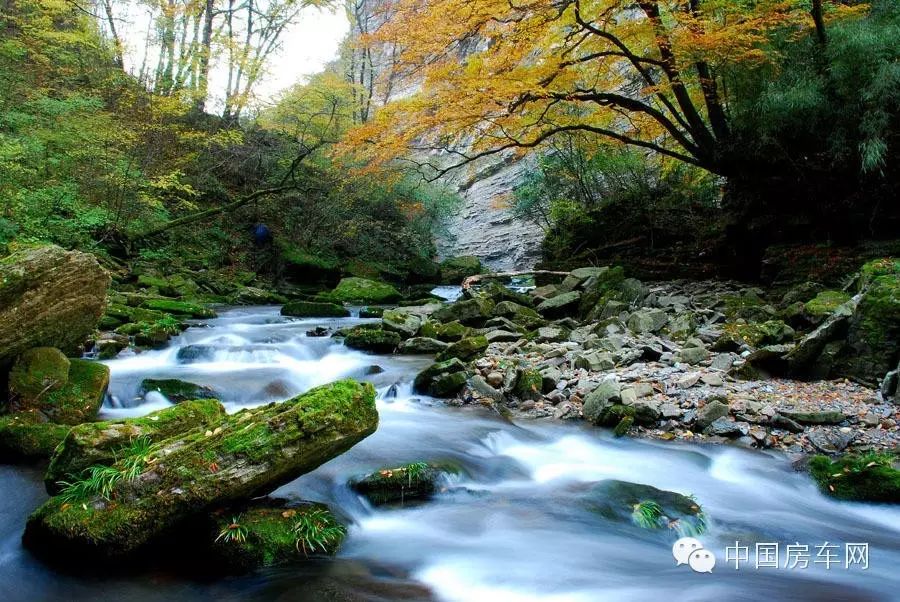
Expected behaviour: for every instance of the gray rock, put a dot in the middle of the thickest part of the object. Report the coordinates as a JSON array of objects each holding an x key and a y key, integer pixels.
[
  {"x": 688, "y": 380},
  {"x": 629, "y": 396},
  {"x": 712, "y": 379},
  {"x": 495, "y": 379},
  {"x": 481, "y": 386},
  {"x": 422, "y": 345},
  {"x": 502, "y": 336},
  {"x": 830, "y": 441},
  {"x": 692, "y": 355},
  {"x": 550, "y": 378},
  {"x": 600, "y": 399},
  {"x": 669, "y": 410},
  {"x": 647, "y": 320},
  {"x": 560, "y": 305},
  {"x": 711, "y": 411},
  {"x": 404, "y": 324},
  {"x": 553, "y": 334},
  {"x": 723, "y": 427},
  {"x": 595, "y": 361},
  {"x": 785, "y": 423},
  {"x": 813, "y": 416},
  {"x": 723, "y": 361}
]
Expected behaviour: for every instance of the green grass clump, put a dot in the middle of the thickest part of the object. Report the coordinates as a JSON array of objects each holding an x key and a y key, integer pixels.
[
  {"x": 646, "y": 514},
  {"x": 317, "y": 530}
]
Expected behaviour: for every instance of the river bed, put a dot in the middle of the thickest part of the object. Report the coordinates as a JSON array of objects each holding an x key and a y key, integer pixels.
[{"x": 512, "y": 526}]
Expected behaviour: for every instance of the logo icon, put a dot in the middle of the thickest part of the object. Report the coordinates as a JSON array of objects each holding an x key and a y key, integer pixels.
[{"x": 690, "y": 551}]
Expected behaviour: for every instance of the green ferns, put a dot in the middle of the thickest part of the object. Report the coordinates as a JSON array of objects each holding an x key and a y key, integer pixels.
[
  {"x": 317, "y": 530},
  {"x": 100, "y": 481}
]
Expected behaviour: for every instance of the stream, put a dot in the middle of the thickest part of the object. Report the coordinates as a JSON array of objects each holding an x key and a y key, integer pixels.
[{"x": 512, "y": 526}]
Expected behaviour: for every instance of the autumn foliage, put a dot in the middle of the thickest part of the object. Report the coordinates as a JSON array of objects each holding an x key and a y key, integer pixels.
[{"x": 494, "y": 76}]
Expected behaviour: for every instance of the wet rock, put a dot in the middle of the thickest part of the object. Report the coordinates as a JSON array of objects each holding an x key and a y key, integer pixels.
[
  {"x": 372, "y": 340},
  {"x": 311, "y": 309},
  {"x": 176, "y": 390},
  {"x": 248, "y": 454},
  {"x": 495, "y": 379},
  {"x": 723, "y": 427},
  {"x": 829, "y": 441},
  {"x": 36, "y": 372},
  {"x": 595, "y": 361},
  {"x": 416, "y": 481},
  {"x": 49, "y": 297},
  {"x": 192, "y": 354},
  {"x": 785, "y": 423},
  {"x": 318, "y": 331},
  {"x": 647, "y": 507}
]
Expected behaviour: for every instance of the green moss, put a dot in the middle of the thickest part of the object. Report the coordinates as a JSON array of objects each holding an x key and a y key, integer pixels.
[
  {"x": 180, "y": 308},
  {"x": 98, "y": 443},
  {"x": 276, "y": 536},
  {"x": 311, "y": 309},
  {"x": 754, "y": 334},
  {"x": 37, "y": 372},
  {"x": 193, "y": 472},
  {"x": 529, "y": 384},
  {"x": 864, "y": 478},
  {"x": 449, "y": 332},
  {"x": 303, "y": 260},
  {"x": 524, "y": 316},
  {"x": 624, "y": 426},
  {"x": 361, "y": 290},
  {"x": 825, "y": 303},
  {"x": 442, "y": 379},
  {"x": 454, "y": 270},
  {"x": 373, "y": 340},
  {"x": 465, "y": 349},
  {"x": 26, "y": 436},
  {"x": 619, "y": 501},
  {"x": 78, "y": 400}
]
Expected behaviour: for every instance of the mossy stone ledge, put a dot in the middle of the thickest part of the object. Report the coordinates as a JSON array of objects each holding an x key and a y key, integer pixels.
[
  {"x": 314, "y": 309},
  {"x": 247, "y": 454},
  {"x": 99, "y": 443}
]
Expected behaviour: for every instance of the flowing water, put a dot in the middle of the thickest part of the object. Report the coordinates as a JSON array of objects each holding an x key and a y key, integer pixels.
[{"x": 513, "y": 525}]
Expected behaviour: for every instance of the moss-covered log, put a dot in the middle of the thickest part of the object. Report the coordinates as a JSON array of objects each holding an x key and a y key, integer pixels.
[{"x": 249, "y": 453}]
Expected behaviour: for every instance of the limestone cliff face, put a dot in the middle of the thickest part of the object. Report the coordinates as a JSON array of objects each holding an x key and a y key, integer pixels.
[{"x": 483, "y": 225}]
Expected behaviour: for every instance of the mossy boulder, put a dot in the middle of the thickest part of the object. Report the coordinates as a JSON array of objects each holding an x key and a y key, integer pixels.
[
  {"x": 753, "y": 334},
  {"x": 465, "y": 349},
  {"x": 442, "y": 379},
  {"x": 37, "y": 372},
  {"x": 313, "y": 309},
  {"x": 373, "y": 340},
  {"x": 362, "y": 290},
  {"x": 565, "y": 304},
  {"x": 273, "y": 535},
  {"x": 647, "y": 507},
  {"x": 49, "y": 297},
  {"x": 179, "y": 308},
  {"x": 100, "y": 443},
  {"x": 28, "y": 436},
  {"x": 825, "y": 303},
  {"x": 448, "y": 332},
  {"x": 863, "y": 478},
  {"x": 529, "y": 384},
  {"x": 176, "y": 390},
  {"x": 402, "y": 322},
  {"x": 873, "y": 338},
  {"x": 521, "y": 315},
  {"x": 400, "y": 484},
  {"x": 77, "y": 400},
  {"x": 471, "y": 312},
  {"x": 421, "y": 345},
  {"x": 454, "y": 270},
  {"x": 249, "y": 453}
]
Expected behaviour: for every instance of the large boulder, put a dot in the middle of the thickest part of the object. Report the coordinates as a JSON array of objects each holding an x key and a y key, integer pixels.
[
  {"x": 49, "y": 297},
  {"x": 465, "y": 349},
  {"x": 456, "y": 269},
  {"x": 75, "y": 400},
  {"x": 471, "y": 312},
  {"x": 373, "y": 340},
  {"x": 364, "y": 291},
  {"x": 403, "y": 323},
  {"x": 99, "y": 443},
  {"x": 312, "y": 309},
  {"x": 252, "y": 452},
  {"x": 561, "y": 305},
  {"x": 176, "y": 390}
]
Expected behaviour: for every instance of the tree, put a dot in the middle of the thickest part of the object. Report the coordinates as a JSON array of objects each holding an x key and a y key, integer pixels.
[{"x": 499, "y": 76}]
